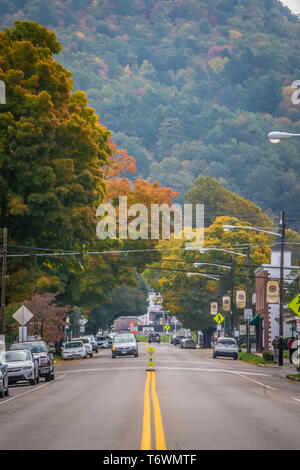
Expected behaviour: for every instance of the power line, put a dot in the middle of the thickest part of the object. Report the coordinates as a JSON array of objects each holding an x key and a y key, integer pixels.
[{"x": 177, "y": 270}]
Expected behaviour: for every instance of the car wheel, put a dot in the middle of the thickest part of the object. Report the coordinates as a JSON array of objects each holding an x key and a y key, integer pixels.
[
  {"x": 136, "y": 354},
  {"x": 48, "y": 377},
  {"x": 214, "y": 356},
  {"x": 7, "y": 392},
  {"x": 235, "y": 357},
  {"x": 2, "y": 391},
  {"x": 113, "y": 356},
  {"x": 33, "y": 382},
  {"x": 38, "y": 379},
  {"x": 91, "y": 355},
  {"x": 52, "y": 375}
]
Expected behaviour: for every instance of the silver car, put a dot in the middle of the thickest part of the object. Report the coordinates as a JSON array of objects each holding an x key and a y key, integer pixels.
[
  {"x": 226, "y": 347},
  {"x": 21, "y": 366},
  {"x": 124, "y": 345},
  {"x": 3, "y": 381},
  {"x": 73, "y": 350},
  {"x": 86, "y": 344},
  {"x": 188, "y": 343}
]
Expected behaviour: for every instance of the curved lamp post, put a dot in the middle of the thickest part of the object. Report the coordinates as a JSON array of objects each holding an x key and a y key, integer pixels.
[{"x": 276, "y": 137}]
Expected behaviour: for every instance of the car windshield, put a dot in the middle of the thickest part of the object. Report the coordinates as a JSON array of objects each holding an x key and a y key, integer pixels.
[
  {"x": 33, "y": 347},
  {"x": 101, "y": 338},
  {"x": 74, "y": 344},
  {"x": 124, "y": 339},
  {"x": 226, "y": 341},
  {"x": 15, "y": 356}
]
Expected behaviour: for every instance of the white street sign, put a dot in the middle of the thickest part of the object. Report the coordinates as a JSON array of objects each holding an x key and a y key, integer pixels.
[
  {"x": 23, "y": 315},
  {"x": 22, "y": 333},
  {"x": 248, "y": 313},
  {"x": 2, "y": 343}
]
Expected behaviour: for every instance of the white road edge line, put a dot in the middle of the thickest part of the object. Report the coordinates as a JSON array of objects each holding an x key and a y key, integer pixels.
[
  {"x": 256, "y": 382},
  {"x": 30, "y": 391},
  {"x": 296, "y": 399}
]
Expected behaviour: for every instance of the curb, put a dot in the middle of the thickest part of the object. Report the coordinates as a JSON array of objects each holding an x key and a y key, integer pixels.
[
  {"x": 293, "y": 379},
  {"x": 70, "y": 361}
]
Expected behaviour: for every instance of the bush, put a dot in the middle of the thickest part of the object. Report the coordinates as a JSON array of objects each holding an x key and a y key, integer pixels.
[{"x": 268, "y": 355}]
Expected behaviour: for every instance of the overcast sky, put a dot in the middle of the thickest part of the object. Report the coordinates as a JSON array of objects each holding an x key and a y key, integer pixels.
[{"x": 293, "y": 5}]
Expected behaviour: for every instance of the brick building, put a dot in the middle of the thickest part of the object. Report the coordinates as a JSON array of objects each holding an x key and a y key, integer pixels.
[
  {"x": 267, "y": 314},
  {"x": 123, "y": 324}
]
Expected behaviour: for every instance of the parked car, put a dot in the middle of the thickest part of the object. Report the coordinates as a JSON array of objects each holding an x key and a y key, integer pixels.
[
  {"x": 74, "y": 349},
  {"x": 3, "y": 381},
  {"x": 153, "y": 338},
  {"x": 42, "y": 354},
  {"x": 177, "y": 339},
  {"x": 102, "y": 341},
  {"x": 93, "y": 343},
  {"x": 21, "y": 366},
  {"x": 124, "y": 345},
  {"x": 87, "y": 345},
  {"x": 188, "y": 343},
  {"x": 226, "y": 347}
]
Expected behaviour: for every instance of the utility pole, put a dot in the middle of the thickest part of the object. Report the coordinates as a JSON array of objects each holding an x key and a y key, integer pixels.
[
  {"x": 248, "y": 298},
  {"x": 231, "y": 297},
  {"x": 281, "y": 288},
  {"x": 3, "y": 282},
  {"x": 298, "y": 336}
]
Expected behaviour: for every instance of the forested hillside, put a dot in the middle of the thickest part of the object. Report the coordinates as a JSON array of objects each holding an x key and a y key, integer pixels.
[{"x": 189, "y": 87}]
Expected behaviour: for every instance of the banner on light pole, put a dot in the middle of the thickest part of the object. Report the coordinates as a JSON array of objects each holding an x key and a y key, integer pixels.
[
  {"x": 213, "y": 308},
  {"x": 226, "y": 303},
  {"x": 240, "y": 299}
]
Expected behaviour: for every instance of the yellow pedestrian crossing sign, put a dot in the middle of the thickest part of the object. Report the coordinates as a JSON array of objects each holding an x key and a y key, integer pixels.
[
  {"x": 167, "y": 327},
  {"x": 219, "y": 318},
  {"x": 294, "y": 305}
]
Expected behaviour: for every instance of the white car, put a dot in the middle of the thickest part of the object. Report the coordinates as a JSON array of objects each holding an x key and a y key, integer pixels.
[
  {"x": 21, "y": 366},
  {"x": 73, "y": 350},
  {"x": 124, "y": 345},
  {"x": 102, "y": 342},
  {"x": 87, "y": 345},
  {"x": 226, "y": 347}
]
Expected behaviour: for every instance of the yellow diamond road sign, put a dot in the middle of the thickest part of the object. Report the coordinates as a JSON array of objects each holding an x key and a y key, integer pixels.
[
  {"x": 294, "y": 305},
  {"x": 219, "y": 318},
  {"x": 167, "y": 327}
]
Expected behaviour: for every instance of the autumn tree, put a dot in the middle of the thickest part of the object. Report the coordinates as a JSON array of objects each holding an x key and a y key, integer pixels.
[{"x": 49, "y": 319}]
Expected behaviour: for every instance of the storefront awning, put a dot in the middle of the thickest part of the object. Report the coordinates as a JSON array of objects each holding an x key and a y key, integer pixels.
[{"x": 255, "y": 320}]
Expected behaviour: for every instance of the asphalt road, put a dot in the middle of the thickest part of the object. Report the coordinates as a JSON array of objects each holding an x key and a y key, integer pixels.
[{"x": 190, "y": 402}]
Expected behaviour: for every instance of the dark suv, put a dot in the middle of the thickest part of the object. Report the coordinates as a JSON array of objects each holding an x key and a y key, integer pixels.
[
  {"x": 153, "y": 338},
  {"x": 42, "y": 354}
]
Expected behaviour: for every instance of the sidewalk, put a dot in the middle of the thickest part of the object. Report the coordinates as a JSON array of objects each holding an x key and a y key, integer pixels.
[{"x": 287, "y": 366}]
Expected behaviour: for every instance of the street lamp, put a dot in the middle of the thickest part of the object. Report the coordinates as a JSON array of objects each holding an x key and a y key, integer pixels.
[
  {"x": 204, "y": 250},
  {"x": 281, "y": 282},
  {"x": 276, "y": 137},
  {"x": 212, "y": 264},
  {"x": 215, "y": 278},
  {"x": 226, "y": 228}
]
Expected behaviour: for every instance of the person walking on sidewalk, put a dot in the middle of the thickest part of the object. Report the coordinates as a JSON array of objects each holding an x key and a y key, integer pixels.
[
  {"x": 275, "y": 344},
  {"x": 291, "y": 349}
]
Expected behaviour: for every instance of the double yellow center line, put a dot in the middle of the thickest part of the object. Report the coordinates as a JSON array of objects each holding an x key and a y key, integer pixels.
[{"x": 160, "y": 440}]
